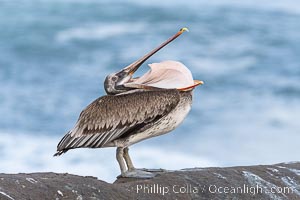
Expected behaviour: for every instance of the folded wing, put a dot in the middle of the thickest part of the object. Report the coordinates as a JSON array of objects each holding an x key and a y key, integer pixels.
[{"x": 109, "y": 117}]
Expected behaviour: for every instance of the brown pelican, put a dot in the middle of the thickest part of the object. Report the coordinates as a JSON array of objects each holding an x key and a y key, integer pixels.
[{"x": 134, "y": 109}]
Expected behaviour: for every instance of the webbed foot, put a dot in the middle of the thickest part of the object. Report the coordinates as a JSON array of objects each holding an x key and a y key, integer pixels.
[
  {"x": 137, "y": 173},
  {"x": 160, "y": 170}
]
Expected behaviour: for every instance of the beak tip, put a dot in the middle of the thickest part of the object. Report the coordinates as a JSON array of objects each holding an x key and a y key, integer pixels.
[
  {"x": 184, "y": 29},
  {"x": 199, "y": 82}
]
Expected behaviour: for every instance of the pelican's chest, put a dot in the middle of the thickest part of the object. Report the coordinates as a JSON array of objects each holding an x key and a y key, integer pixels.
[
  {"x": 167, "y": 123},
  {"x": 176, "y": 116}
]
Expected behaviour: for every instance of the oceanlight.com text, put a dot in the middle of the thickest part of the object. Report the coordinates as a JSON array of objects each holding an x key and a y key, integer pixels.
[{"x": 213, "y": 189}]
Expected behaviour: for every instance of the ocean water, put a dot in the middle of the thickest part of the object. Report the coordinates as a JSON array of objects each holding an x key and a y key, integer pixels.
[{"x": 55, "y": 54}]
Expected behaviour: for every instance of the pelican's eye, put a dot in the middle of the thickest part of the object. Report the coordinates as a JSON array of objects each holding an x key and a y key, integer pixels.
[{"x": 114, "y": 78}]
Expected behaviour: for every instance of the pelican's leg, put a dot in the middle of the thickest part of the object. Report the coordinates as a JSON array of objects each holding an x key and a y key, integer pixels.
[
  {"x": 131, "y": 172},
  {"x": 130, "y": 166},
  {"x": 120, "y": 159},
  {"x": 127, "y": 159}
]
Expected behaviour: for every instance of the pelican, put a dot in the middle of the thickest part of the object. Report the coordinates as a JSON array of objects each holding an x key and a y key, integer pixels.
[{"x": 134, "y": 109}]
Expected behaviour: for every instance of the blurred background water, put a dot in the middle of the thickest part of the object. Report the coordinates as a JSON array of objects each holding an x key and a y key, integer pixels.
[{"x": 55, "y": 54}]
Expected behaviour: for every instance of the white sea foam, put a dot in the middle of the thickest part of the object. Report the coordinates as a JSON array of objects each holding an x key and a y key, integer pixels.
[
  {"x": 212, "y": 66},
  {"x": 168, "y": 159},
  {"x": 28, "y": 153},
  {"x": 265, "y": 127},
  {"x": 98, "y": 31}
]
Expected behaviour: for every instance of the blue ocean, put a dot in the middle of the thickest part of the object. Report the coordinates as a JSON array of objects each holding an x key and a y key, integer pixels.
[{"x": 55, "y": 55}]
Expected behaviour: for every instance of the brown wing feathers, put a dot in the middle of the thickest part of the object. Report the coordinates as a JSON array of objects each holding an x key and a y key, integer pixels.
[{"x": 109, "y": 117}]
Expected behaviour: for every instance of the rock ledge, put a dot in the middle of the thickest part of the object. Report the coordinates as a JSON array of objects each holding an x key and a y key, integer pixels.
[{"x": 279, "y": 181}]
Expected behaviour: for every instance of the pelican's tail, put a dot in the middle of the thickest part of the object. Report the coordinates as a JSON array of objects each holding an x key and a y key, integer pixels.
[{"x": 58, "y": 153}]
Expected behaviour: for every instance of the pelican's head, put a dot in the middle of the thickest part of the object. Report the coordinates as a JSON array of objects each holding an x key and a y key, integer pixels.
[
  {"x": 114, "y": 83},
  {"x": 168, "y": 72}
]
